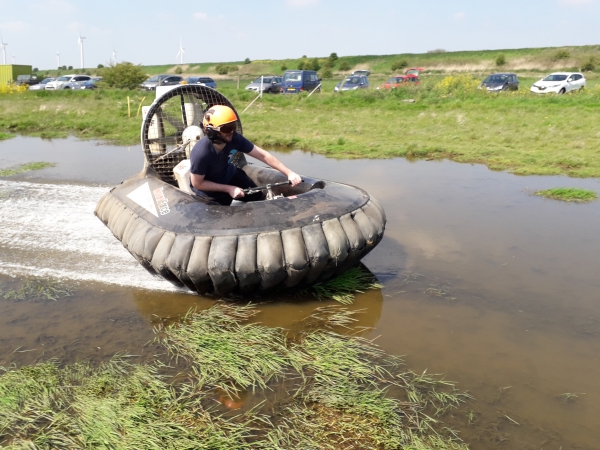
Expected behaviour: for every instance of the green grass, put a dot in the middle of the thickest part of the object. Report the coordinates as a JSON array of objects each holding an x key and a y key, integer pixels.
[
  {"x": 36, "y": 290},
  {"x": 518, "y": 132},
  {"x": 343, "y": 287},
  {"x": 5, "y": 136},
  {"x": 25, "y": 168},
  {"x": 339, "y": 391},
  {"x": 569, "y": 194}
]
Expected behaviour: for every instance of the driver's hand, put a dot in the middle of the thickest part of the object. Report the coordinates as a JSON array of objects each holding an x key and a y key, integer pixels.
[
  {"x": 236, "y": 192},
  {"x": 294, "y": 178}
]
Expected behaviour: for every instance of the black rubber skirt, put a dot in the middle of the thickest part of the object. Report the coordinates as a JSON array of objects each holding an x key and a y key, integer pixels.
[{"x": 317, "y": 230}]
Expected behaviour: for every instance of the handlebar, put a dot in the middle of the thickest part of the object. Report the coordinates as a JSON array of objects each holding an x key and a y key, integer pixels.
[{"x": 266, "y": 187}]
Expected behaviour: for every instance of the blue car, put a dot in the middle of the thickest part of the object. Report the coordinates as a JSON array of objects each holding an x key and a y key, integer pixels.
[
  {"x": 206, "y": 81},
  {"x": 90, "y": 84},
  {"x": 296, "y": 81}
]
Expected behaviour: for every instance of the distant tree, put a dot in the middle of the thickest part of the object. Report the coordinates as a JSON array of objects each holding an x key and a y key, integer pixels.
[
  {"x": 589, "y": 65},
  {"x": 247, "y": 61},
  {"x": 327, "y": 74},
  {"x": 284, "y": 67},
  {"x": 124, "y": 75},
  {"x": 312, "y": 64},
  {"x": 400, "y": 64},
  {"x": 304, "y": 56},
  {"x": 302, "y": 64},
  {"x": 179, "y": 70},
  {"x": 344, "y": 66},
  {"x": 70, "y": 67},
  {"x": 35, "y": 69},
  {"x": 437, "y": 50},
  {"x": 500, "y": 60},
  {"x": 100, "y": 66},
  {"x": 333, "y": 57}
]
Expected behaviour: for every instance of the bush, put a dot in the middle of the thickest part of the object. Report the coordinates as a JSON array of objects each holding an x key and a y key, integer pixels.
[
  {"x": 327, "y": 74},
  {"x": 123, "y": 75},
  {"x": 589, "y": 65},
  {"x": 302, "y": 64},
  {"x": 283, "y": 67},
  {"x": 500, "y": 60},
  {"x": 35, "y": 69},
  {"x": 179, "y": 70},
  {"x": 247, "y": 61},
  {"x": 561, "y": 54},
  {"x": 437, "y": 50},
  {"x": 224, "y": 69},
  {"x": 400, "y": 64},
  {"x": 333, "y": 57},
  {"x": 344, "y": 66},
  {"x": 70, "y": 68},
  {"x": 457, "y": 84},
  {"x": 100, "y": 66},
  {"x": 312, "y": 64}
]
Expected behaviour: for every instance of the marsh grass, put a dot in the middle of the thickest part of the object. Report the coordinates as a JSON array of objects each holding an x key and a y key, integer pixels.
[
  {"x": 568, "y": 194},
  {"x": 36, "y": 290},
  {"x": 25, "y": 168},
  {"x": 346, "y": 393},
  {"x": 343, "y": 287},
  {"x": 5, "y": 136}
]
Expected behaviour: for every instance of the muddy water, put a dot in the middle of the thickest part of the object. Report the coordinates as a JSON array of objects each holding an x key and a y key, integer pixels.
[{"x": 484, "y": 282}]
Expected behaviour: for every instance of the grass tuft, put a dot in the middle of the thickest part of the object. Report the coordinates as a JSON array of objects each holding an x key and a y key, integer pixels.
[
  {"x": 343, "y": 287},
  {"x": 36, "y": 291},
  {"x": 568, "y": 194},
  {"x": 25, "y": 168}
]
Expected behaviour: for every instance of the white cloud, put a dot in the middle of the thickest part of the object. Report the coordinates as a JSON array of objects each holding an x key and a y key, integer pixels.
[
  {"x": 200, "y": 16},
  {"x": 459, "y": 16},
  {"x": 14, "y": 26},
  {"x": 301, "y": 3}
]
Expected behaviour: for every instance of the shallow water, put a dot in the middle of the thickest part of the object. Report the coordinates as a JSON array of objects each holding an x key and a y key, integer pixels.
[{"x": 484, "y": 282}]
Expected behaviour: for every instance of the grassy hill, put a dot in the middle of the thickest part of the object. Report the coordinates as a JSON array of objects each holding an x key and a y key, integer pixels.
[{"x": 525, "y": 60}]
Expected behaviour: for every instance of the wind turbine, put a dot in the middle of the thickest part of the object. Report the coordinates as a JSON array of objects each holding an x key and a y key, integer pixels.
[
  {"x": 58, "y": 59},
  {"x": 181, "y": 51},
  {"x": 13, "y": 59},
  {"x": 80, "y": 42},
  {"x": 114, "y": 57},
  {"x": 3, "y": 46}
]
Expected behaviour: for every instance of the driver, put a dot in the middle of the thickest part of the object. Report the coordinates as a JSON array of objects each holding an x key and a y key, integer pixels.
[{"x": 212, "y": 171}]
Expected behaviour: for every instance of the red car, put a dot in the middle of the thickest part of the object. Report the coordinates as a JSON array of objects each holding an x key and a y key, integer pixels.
[{"x": 399, "y": 80}]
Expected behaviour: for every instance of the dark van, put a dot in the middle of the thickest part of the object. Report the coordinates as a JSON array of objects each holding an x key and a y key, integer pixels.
[{"x": 296, "y": 81}]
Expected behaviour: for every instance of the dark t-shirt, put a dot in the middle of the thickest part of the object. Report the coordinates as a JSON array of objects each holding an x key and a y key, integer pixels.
[{"x": 214, "y": 165}]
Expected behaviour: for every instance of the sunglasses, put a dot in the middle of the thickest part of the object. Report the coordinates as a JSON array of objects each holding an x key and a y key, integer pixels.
[{"x": 227, "y": 128}]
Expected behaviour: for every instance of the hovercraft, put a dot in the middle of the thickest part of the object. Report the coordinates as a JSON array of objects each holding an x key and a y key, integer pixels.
[{"x": 298, "y": 236}]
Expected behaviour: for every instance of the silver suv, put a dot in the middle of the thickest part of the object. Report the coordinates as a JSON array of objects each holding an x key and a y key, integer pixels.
[{"x": 67, "y": 82}]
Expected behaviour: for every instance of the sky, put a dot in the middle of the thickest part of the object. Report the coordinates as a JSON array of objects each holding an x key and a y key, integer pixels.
[{"x": 149, "y": 32}]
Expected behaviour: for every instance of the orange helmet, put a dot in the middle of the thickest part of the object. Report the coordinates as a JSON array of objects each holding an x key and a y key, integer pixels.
[{"x": 218, "y": 115}]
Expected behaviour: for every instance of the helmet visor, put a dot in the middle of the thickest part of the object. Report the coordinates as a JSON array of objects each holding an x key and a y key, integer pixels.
[{"x": 228, "y": 128}]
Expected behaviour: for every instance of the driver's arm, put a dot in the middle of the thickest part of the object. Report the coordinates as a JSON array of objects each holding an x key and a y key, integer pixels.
[
  {"x": 201, "y": 184},
  {"x": 272, "y": 161}
]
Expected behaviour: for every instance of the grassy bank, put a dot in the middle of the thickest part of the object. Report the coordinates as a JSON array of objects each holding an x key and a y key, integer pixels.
[{"x": 519, "y": 132}]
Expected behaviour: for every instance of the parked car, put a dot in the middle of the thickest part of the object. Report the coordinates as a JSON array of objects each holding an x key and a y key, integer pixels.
[
  {"x": 67, "y": 82},
  {"x": 352, "y": 82},
  {"x": 366, "y": 73},
  {"x": 206, "y": 81},
  {"x": 28, "y": 80},
  {"x": 270, "y": 84},
  {"x": 400, "y": 80},
  {"x": 559, "y": 83},
  {"x": 501, "y": 82},
  {"x": 41, "y": 85},
  {"x": 296, "y": 81},
  {"x": 91, "y": 84},
  {"x": 161, "y": 80},
  {"x": 413, "y": 71}
]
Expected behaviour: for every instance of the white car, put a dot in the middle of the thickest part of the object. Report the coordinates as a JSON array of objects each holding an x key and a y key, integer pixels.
[
  {"x": 67, "y": 82},
  {"x": 559, "y": 83}
]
